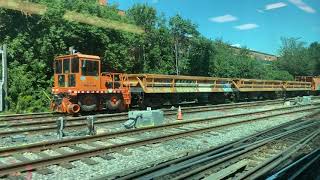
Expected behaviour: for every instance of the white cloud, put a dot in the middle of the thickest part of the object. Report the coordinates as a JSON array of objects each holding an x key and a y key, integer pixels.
[
  {"x": 222, "y": 19},
  {"x": 303, "y": 6},
  {"x": 275, "y": 5},
  {"x": 236, "y": 45},
  {"x": 246, "y": 26},
  {"x": 260, "y": 11},
  {"x": 155, "y": 1}
]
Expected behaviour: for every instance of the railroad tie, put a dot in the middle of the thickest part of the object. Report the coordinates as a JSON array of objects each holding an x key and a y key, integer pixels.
[
  {"x": 61, "y": 151},
  {"x": 127, "y": 138},
  {"x": 43, "y": 154},
  {"x": 106, "y": 157},
  {"x": 20, "y": 157},
  {"x": 116, "y": 141},
  {"x": 15, "y": 177},
  {"x": 183, "y": 128},
  {"x": 107, "y": 143},
  {"x": 67, "y": 165},
  {"x": 124, "y": 152},
  {"x": 77, "y": 148},
  {"x": 95, "y": 145},
  {"x": 87, "y": 161},
  {"x": 212, "y": 133},
  {"x": 64, "y": 165},
  {"x": 228, "y": 171},
  {"x": 2, "y": 164},
  {"x": 172, "y": 131},
  {"x": 43, "y": 170}
]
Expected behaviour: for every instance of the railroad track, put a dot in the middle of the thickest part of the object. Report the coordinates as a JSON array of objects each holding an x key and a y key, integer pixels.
[
  {"x": 45, "y": 115},
  {"x": 129, "y": 138},
  {"x": 47, "y": 125},
  {"x": 248, "y": 158},
  {"x": 304, "y": 167},
  {"x": 46, "y": 118}
]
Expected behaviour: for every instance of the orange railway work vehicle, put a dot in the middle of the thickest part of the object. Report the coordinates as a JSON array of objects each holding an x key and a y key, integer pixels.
[{"x": 79, "y": 85}]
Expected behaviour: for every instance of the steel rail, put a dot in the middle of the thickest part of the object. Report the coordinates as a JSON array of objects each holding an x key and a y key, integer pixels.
[
  {"x": 279, "y": 158},
  {"x": 166, "y": 167},
  {"x": 26, "y": 114},
  {"x": 108, "y": 121},
  {"x": 77, "y": 140},
  {"x": 40, "y": 115},
  {"x": 120, "y": 117},
  {"x": 234, "y": 153},
  {"x": 34, "y": 164},
  {"x": 296, "y": 168},
  {"x": 17, "y": 117}
]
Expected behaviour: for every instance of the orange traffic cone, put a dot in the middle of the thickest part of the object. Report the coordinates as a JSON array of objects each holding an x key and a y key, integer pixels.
[{"x": 179, "y": 114}]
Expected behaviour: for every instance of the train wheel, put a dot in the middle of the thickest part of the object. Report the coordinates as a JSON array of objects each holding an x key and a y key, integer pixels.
[
  {"x": 88, "y": 103},
  {"x": 122, "y": 107},
  {"x": 114, "y": 102}
]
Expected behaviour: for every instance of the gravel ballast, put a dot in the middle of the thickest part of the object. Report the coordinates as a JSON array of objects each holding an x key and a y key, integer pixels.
[{"x": 144, "y": 156}]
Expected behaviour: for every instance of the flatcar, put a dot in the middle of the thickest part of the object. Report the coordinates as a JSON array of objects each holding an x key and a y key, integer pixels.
[{"x": 80, "y": 86}]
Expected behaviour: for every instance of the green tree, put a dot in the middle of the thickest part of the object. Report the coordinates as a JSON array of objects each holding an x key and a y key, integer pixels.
[
  {"x": 182, "y": 31},
  {"x": 201, "y": 51},
  {"x": 294, "y": 57},
  {"x": 314, "y": 55},
  {"x": 34, "y": 41},
  {"x": 143, "y": 15}
]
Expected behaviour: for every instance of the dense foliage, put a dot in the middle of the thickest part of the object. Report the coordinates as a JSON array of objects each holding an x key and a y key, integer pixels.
[
  {"x": 34, "y": 41},
  {"x": 298, "y": 59}
]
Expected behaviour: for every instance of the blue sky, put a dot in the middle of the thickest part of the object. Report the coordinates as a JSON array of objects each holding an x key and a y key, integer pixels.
[{"x": 256, "y": 24}]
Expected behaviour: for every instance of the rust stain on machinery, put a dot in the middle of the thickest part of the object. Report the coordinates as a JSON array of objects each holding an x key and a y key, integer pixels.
[{"x": 79, "y": 85}]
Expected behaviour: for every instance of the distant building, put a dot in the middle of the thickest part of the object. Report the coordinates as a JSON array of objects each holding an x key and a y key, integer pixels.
[
  {"x": 259, "y": 55},
  {"x": 105, "y": 2},
  {"x": 121, "y": 13}
]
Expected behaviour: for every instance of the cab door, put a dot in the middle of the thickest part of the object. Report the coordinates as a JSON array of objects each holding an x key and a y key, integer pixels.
[
  {"x": 65, "y": 72},
  {"x": 73, "y": 75},
  {"x": 59, "y": 77}
]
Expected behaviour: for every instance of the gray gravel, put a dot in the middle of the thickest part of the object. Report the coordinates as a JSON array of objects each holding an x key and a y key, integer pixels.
[
  {"x": 136, "y": 158},
  {"x": 146, "y": 155},
  {"x": 49, "y": 136}
]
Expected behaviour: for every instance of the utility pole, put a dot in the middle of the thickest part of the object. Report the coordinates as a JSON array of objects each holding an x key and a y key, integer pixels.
[{"x": 4, "y": 80}]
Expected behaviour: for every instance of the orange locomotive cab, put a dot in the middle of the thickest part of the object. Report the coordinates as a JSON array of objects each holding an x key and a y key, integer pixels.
[{"x": 79, "y": 85}]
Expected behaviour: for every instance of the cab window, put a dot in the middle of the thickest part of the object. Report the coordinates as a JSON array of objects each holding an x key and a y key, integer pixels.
[
  {"x": 61, "y": 81},
  {"x": 90, "y": 68},
  {"x": 66, "y": 66},
  {"x": 72, "y": 80},
  {"x": 74, "y": 65},
  {"x": 58, "y": 66}
]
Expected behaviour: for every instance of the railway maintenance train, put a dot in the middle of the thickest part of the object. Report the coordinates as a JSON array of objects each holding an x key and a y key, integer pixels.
[{"x": 80, "y": 86}]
